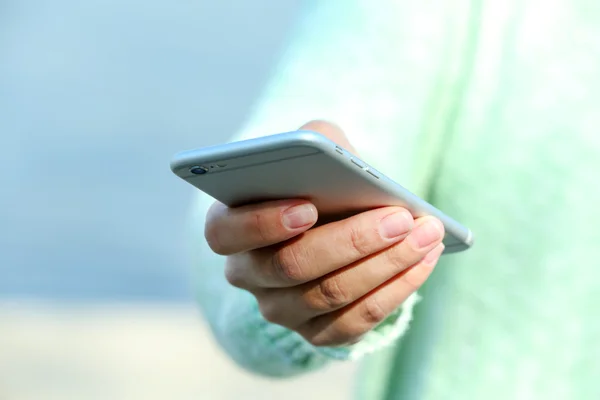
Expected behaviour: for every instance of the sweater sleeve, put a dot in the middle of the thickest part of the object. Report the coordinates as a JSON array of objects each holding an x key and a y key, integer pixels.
[{"x": 328, "y": 71}]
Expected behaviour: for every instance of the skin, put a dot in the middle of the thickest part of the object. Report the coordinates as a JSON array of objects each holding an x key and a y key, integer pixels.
[{"x": 332, "y": 283}]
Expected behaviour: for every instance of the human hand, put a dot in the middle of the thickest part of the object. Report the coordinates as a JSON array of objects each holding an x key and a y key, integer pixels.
[{"x": 335, "y": 282}]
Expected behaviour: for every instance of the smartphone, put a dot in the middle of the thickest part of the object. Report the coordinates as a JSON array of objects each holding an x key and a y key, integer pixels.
[{"x": 307, "y": 165}]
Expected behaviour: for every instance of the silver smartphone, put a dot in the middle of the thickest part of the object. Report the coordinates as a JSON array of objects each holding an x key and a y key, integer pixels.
[{"x": 307, "y": 165}]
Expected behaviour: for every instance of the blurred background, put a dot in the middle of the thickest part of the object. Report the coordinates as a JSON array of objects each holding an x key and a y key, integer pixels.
[{"x": 95, "y": 97}]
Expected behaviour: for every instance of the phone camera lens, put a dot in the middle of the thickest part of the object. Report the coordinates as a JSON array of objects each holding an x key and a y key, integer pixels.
[{"x": 198, "y": 170}]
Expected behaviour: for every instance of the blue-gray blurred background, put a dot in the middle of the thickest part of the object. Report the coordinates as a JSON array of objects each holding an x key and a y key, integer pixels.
[
  {"x": 95, "y": 97},
  {"x": 96, "y": 300}
]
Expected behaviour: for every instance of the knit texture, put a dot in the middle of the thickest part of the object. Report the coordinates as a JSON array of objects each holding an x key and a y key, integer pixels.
[{"x": 491, "y": 111}]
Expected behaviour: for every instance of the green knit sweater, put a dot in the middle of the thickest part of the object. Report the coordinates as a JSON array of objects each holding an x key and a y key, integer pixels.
[{"x": 491, "y": 111}]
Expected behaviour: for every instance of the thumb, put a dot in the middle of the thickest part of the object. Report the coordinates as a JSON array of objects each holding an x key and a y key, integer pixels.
[{"x": 330, "y": 131}]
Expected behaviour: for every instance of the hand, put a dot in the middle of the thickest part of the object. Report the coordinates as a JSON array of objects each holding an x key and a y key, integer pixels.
[{"x": 335, "y": 282}]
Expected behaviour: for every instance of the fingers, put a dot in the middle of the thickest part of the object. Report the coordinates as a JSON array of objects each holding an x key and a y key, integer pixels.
[
  {"x": 346, "y": 285},
  {"x": 321, "y": 250},
  {"x": 234, "y": 230},
  {"x": 231, "y": 231},
  {"x": 330, "y": 131},
  {"x": 348, "y": 325}
]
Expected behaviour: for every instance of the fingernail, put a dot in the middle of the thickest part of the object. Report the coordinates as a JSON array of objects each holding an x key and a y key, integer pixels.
[
  {"x": 396, "y": 224},
  {"x": 427, "y": 233},
  {"x": 434, "y": 254},
  {"x": 299, "y": 216}
]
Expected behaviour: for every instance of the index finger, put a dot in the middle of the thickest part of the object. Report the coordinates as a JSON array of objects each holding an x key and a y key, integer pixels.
[{"x": 235, "y": 230}]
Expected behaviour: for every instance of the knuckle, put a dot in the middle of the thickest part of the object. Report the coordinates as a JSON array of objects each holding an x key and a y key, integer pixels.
[
  {"x": 286, "y": 265},
  {"x": 359, "y": 242},
  {"x": 258, "y": 226},
  {"x": 372, "y": 312},
  {"x": 331, "y": 294},
  {"x": 234, "y": 276}
]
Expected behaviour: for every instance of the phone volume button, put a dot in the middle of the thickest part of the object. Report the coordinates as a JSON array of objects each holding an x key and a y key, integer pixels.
[
  {"x": 358, "y": 163},
  {"x": 372, "y": 173}
]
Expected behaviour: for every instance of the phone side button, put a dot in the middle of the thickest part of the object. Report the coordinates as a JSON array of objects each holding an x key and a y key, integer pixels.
[
  {"x": 372, "y": 172},
  {"x": 358, "y": 163}
]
